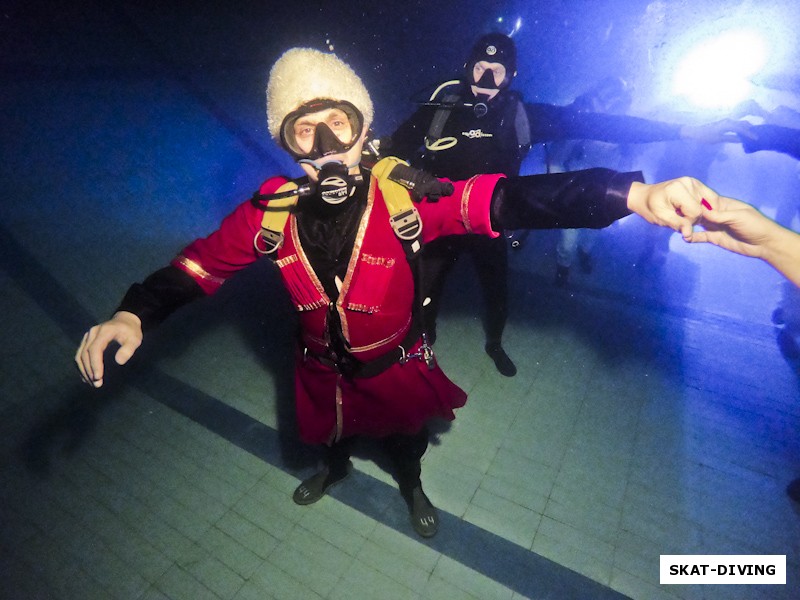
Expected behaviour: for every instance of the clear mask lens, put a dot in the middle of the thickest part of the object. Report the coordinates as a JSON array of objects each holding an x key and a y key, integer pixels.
[{"x": 321, "y": 128}]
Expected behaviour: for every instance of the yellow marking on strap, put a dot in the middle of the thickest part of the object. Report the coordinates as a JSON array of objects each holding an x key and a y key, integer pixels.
[
  {"x": 394, "y": 194},
  {"x": 278, "y": 209}
]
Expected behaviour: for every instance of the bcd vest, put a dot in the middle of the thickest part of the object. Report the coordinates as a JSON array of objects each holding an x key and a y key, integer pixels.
[{"x": 377, "y": 296}]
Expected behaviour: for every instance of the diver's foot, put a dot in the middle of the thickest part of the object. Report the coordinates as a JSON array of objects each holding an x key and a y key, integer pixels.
[
  {"x": 423, "y": 515},
  {"x": 315, "y": 487},
  {"x": 501, "y": 360}
]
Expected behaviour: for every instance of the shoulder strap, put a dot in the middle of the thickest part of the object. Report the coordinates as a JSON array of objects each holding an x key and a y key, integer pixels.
[
  {"x": 443, "y": 112},
  {"x": 276, "y": 213},
  {"x": 440, "y": 116},
  {"x": 403, "y": 215}
]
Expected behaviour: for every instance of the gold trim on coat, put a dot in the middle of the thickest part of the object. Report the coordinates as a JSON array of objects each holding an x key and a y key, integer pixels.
[
  {"x": 301, "y": 254},
  {"x": 198, "y": 270},
  {"x": 465, "y": 203},
  {"x": 354, "y": 256},
  {"x": 400, "y": 333}
]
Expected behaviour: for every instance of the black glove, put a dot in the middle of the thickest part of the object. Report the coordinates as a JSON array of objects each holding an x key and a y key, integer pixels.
[{"x": 420, "y": 184}]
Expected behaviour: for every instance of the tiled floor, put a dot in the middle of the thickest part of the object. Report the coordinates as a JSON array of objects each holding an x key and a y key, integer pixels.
[{"x": 653, "y": 412}]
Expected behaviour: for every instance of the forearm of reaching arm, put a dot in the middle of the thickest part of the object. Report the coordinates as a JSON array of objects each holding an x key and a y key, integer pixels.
[
  {"x": 160, "y": 295},
  {"x": 783, "y": 253},
  {"x": 593, "y": 198}
]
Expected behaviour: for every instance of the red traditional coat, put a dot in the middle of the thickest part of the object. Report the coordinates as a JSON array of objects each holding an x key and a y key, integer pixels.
[{"x": 374, "y": 306}]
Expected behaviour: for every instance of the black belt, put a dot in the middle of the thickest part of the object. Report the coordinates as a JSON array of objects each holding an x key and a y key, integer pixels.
[{"x": 352, "y": 368}]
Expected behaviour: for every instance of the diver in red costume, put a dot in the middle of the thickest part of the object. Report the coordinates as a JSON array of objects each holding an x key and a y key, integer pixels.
[{"x": 363, "y": 364}]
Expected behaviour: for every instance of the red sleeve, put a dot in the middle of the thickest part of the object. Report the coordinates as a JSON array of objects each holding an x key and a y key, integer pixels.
[
  {"x": 212, "y": 260},
  {"x": 466, "y": 210}
]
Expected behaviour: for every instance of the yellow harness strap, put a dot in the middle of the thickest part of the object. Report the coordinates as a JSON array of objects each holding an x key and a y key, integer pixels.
[
  {"x": 403, "y": 215},
  {"x": 274, "y": 220}
]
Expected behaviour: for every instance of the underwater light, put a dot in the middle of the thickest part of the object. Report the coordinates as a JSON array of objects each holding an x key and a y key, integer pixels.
[
  {"x": 514, "y": 29},
  {"x": 717, "y": 72}
]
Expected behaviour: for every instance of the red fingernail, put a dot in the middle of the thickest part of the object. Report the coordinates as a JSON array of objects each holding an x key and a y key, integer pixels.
[
  {"x": 679, "y": 211},
  {"x": 705, "y": 203}
]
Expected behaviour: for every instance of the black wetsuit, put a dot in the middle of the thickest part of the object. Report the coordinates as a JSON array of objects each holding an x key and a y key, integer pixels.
[{"x": 497, "y": 142}]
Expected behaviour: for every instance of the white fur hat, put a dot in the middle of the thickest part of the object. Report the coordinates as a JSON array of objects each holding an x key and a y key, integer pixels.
[{"x": 304, "y": 74}]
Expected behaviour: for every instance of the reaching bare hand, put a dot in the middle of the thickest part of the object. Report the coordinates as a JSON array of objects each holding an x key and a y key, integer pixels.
[
  {"x": 741, "y": 228},
  {"x": 735, "y": 226},
  {"x": 123, "y": 328},
  {"x": 676, "y": 203}
]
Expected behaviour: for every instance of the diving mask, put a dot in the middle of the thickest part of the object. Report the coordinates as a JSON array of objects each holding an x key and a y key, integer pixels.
[
  {"x": 489, "y": 76},
  {"x": 321, "y": 128}
]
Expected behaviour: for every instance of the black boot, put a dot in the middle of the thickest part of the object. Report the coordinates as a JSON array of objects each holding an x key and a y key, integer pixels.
[
  {"x": 406, "y": 453},
  {"x": 501, "y": 360},
  {"x": 314, "y": 488},
  {"x": 337, "y": 469},
  {"x": 423, "y": 515}
]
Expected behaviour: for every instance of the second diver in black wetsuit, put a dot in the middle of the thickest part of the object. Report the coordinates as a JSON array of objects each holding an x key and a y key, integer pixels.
[{"x": 478, "y": 125}]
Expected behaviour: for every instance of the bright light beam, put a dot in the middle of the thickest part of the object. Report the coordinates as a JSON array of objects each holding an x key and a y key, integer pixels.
[{"x": 716, "y": 73}]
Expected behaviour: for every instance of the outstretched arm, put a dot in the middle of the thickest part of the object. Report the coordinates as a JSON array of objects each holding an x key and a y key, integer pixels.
[
  {"x": 200, "y": 269},
  {"x": 549, "y": 123},
  {"x": 144, "y": 306},
  {"x": 595, "y": 198},
  {"x": 741, "y": 228},
  {"x": 768, "y": 137}
]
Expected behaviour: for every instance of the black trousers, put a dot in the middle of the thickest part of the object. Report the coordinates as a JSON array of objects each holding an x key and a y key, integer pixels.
[
  {"x": 490, "y": 258},
  {"x": 404, "y": 451}
]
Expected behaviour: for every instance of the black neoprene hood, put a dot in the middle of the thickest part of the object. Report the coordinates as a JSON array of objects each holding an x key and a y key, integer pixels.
[{"x": 494, "y": 47}]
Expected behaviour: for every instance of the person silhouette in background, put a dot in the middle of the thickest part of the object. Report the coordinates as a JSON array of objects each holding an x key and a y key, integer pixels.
[{"x": 611, "y": 95}]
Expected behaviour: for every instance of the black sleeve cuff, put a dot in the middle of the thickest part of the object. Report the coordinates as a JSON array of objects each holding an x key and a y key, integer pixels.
[
  {"x": 617, "y": 194},
  {"x": 160, "y": 295}
]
